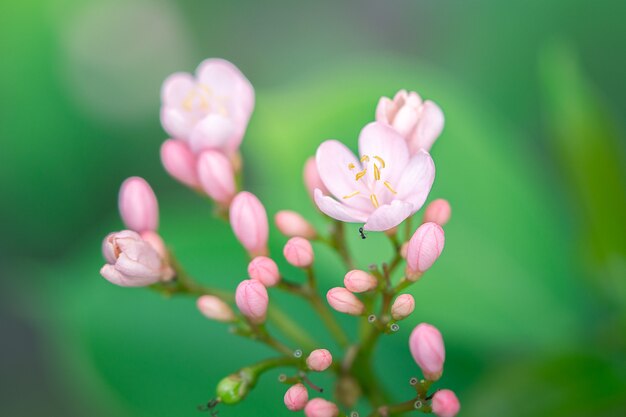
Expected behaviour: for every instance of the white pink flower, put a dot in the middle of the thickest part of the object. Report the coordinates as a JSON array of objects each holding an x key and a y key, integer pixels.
[{"x": 382, "y": 187}]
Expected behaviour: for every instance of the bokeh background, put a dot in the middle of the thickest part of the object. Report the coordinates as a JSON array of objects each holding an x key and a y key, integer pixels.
[{"x": 530, "y": 292}]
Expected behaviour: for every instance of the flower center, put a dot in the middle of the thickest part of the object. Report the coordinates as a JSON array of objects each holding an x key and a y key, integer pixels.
[
  {"x": 377, "y": 164},
  {"x": 203, "y": 97}
]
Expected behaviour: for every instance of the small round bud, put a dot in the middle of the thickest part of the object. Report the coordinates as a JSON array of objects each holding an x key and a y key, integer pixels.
[
  {"x": 426, "y": 345},
  {"x": 292, "y": 224},
  {"x": 180, "y": 162},
  {"x": 248, "y": 220},
  {"x": 319, "y": 360},
  {"x": 344, "y": 301},
  {"x": 438, "y": 212},
  {"x": 264, "y": 269},
  {"x": 319, "y": 407},
  {"x": 298, "y": 252},
  {"x": 214, "y": 308},
  {"x": 359, "y": 281},
  {"x": 235, "y": 387},
  {"x": 138, "y": 205},
  {"x": 445, "y": 403},
  {"x": 402, "y": 307},
  {"x": 296, "y": 397},
  {"x": 217, "y": 176},
  {"x": 252, "y": 300},
  {"x": 424, "y": 248}
]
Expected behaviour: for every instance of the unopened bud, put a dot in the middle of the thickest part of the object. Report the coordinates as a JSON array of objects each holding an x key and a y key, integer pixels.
[
  {"x": 319, "y": 407},
  {"x": 438, "y": 211},
  {"x": 214, "y": 308},
  {"x": 180, "y": 162},
  {"x": 235, "y": 387},
  {"x": 216, "y": 176},
  {"x": 292, "y": 224},
  {"x": 319, "y": 360},
  {"x": 298, "y": 252},
  {"x": 402, "y": 307},
  {"x": 138, "y": 205},
  {"x": 445, "y": 403},
  {"x": 248, "y": 220},
  {"x": 296, "y": 397},
  {"x": 252, "y": 300},
  {"x": 264, "y": 269},
  {"x": 344, "y": 301},
  {"x": 424, "y": 248},
  {"x": 312, "y": 178},
  {"x": 359, "y": 281},
  {"x": 426, "y": 345}
]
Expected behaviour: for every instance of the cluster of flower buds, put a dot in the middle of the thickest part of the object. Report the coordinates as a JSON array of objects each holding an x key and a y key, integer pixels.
[{"x": 206, "y": 116}]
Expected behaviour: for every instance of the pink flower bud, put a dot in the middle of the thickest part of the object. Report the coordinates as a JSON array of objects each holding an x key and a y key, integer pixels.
[
  {"x": 216, "y": 176},
  {"x": 424, "y": 248},
  {"x": 180, "y": 162},
  {"x": 438, "y": 212},
  {"x": 298, "y": 252},
  {"x": 296, "y": 397},
  {"x": 427, "y": 348},
  {"x": 248, "y": 220},
  {"x": 344, "y": 301},
  {"x": 292, "y": 224},
  {"x": 131, "y": 261},
  {"x": 156, "y": 242},
  {"x": 312, "y": 178},
  {"x": 319, "y": 407},
  {"x": 445, "y": 403},
  {"x": 359, "y": 281},
  {"x": 402, "y": 307},
  {"x": 252, "y": 299},
  {"x": 138, "y": 205},
  {"x": 215, "y": 309},
  {"x": 319, "y": 360},
  {"x": 264, "y": 269}
]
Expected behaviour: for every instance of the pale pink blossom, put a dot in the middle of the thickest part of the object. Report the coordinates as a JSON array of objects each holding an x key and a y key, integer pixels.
[
  {"x": 438, "y": 211},
  {"x": 319, "y": 407},
  {"x": 291, "y": 224},
  {"x": 248, "y": 220},
  {"x": 382, "y": 187},
  {"x": 180, "y": 162},
  {"x": 344, "y": 301},
  {"x": 402, "y": 307},
  {"x": 312, "y": 178},
  {"x": 264, "y": 269},
  {"x": 138, "y": 205},
  {"x": 426, "y": 345},
  {"x": 210, "y": 110},
  {"x": 445, "y": 403},
  {"x": 131, "y": 261},
  {"x": 359, "y": 281},
  {"x": 424, "y": 248},
  {"x": 156, "y": 241},
  {"x": 216, "y": 176},
  {"x": 298, "y": 252},
  {"x": 296, "y": 397},
  {"x": 319, "y": 360},
  {"x": 419, "y": 122},
  {"x": 252, "y": 300},
  {"x": 214, "y": 308}
]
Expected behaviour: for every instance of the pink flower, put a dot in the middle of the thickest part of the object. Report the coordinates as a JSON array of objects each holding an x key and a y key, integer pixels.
[
  {"x": 426, "y": 345},
  {"x": 312, "y": 178},
  {"x": 402, "y": 307},
  {"x": 445, "y": 403},
  {"x": 248, "y": 220},
  {"x": 359, "y": 281},
  {"x": 131, "y": 261},
  {"x": 319, "y": 407},
  {"x": 344, "y": 301},
  {"x": 419, "y": 122},
  {"x": 180, "y": 162},
  {"x": 438, "y": 211},
  {"x": 296, "y": 397},
  {"x": 214, "y": 308},
  {"x": 380, "y": 189},
  {"x": 264, "y": 269},
  {"x": 291, "y": 224},
  {"x": 424, "y": 248},
  {"x": 319, "y": 360},
  {"x": 216, "y": 176},
  {"x": 252, "y": 300},
  {"x": 210, "y": 110},
  {"x": 298, "y": 252},
  {"x": 138, "y": 205}
]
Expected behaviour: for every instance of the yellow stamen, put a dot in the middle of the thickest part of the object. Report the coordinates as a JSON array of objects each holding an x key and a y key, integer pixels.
[
  {"x": 388, "y": 185},
  {"x": 361, "y": 174},
  {"x": 350, "y": 166},
  {"x": 351, "y": 195},
  {"x": 188, "y": 101},
  {"x": 374, "y": 200},
  {"x": 376, "y": 172},
  {"x": 382, "y": 162},
  {"x": 365, "y": 158}
]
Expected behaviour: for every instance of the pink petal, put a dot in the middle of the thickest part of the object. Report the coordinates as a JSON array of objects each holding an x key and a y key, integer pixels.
[
  {"x": 378, "y": 139},
  {"x": 384, "y": 110},
  {"x": 429, "y": 128},
  {"x": 225, "y": 80},
  {"x": 388, "y": 216},
  {"x": 336, "y": 210},
  {"x": 212, "y": 132},
  {"x": 176, "y": 122},
  {"x": 417, "y": 180},
  {"x": 176, "y": 88}
]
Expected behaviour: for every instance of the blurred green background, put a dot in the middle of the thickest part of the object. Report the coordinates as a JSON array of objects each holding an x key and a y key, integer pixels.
[{"x": 530, "y": 292}]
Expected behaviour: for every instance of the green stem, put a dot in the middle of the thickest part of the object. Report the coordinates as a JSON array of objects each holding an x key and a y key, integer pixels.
[
  {"x": 272, "y": 363},
  {"x": 338, "y": 242},
  {"x": 290, "y": 329},
  {"x": 389, "y": 410}
]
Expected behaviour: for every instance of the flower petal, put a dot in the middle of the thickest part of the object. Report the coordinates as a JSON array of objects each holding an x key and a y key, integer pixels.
[
  {"x": 336, "y": 210},
  {"x": 176, "y": 122},
  {"x": 213, "y": 132},
  {"x": 417, "y": 180},
  {"x": 388, "y": 216},
  {"x": 379, "y": 139},
  {"x": 385, "y": 110},
  {"x": 225, "y": 81},
  {"x": 428, "y": 129},
  {"x": 176, "y": 88}
]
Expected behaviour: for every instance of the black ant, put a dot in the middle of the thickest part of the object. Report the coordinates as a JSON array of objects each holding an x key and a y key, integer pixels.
[
  {"x": 210, "y": 407},
  {"x": 363, "y": 235}
]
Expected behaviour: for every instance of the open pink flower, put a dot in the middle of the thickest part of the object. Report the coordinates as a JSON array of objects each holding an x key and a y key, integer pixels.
[
  {"x": 382, "y": 187},
  {"x": 210, "y": 110}
]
